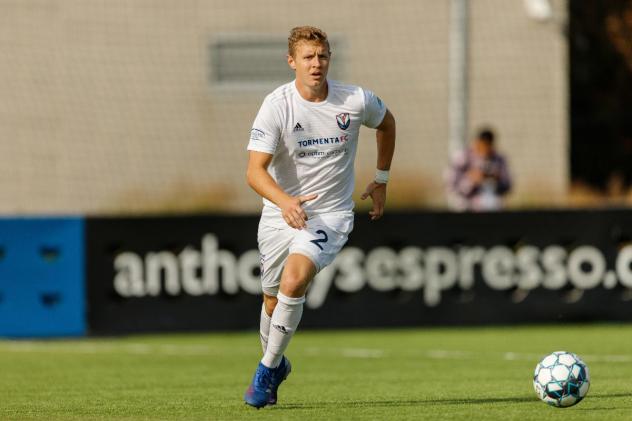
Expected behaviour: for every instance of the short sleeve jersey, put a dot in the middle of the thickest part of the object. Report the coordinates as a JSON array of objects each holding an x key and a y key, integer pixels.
[{"x": 314, "y": 144}]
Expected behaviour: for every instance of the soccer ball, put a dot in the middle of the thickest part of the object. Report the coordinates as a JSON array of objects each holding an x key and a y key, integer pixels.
[{"x": 561, "y": 379}]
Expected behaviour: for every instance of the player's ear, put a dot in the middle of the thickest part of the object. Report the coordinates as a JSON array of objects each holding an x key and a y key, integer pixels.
[{"x": 291, "y": 62}]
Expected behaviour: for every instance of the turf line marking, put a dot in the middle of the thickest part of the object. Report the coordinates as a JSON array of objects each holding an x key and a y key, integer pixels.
[
  {"x": 362, "y": 353},
  {"x": 95, "y": 348},
  {"x": 517, "y": 356},
  {"x": 586, "y": 357},
  {"x": 345, "y": 352},
  {"x": 203, "y": 350},
  {"x": 443, "y": 354}
]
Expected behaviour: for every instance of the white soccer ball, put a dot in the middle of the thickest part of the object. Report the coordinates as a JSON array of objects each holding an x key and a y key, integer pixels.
[{"x": 561, "y": 379}]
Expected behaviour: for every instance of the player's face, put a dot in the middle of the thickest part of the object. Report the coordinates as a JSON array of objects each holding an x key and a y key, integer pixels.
[{"x": 311, "y": 63}]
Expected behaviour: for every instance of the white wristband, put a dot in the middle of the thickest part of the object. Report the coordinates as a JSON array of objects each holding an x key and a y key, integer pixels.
[{"x": 381, "y": 177}]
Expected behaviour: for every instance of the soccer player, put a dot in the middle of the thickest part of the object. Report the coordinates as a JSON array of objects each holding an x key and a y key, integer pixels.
[{"x": 301, "y": 153}]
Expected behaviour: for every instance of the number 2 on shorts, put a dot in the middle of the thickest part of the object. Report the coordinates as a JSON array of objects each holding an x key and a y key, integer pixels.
[{"x": 317, "y": 241}]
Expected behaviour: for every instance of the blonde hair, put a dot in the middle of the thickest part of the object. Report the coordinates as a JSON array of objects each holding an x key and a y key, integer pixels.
[{"x": 305, "y": 33}]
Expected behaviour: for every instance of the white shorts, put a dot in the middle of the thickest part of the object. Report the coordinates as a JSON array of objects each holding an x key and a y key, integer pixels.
[{"x": 320, "y": 242}]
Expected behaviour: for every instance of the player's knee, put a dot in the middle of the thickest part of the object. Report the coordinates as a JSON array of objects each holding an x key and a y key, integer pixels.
[
  {"x": 293, "y": 284},
  {"x": 270, "y": 303},
  {"x": 297, "y": 274}
]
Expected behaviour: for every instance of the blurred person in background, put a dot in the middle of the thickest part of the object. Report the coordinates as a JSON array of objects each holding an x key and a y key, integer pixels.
[
  {"x": 302, "y": 147},
  {"x": 478, "y": 177}
]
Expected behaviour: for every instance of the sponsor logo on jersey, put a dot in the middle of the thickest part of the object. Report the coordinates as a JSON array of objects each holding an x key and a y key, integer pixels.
[
  {"x": 323, "y": 141},
  {"x": 323, "y": 154},
  {"x": 298, "y": 128},
  {"x": 343, "y": 120}
]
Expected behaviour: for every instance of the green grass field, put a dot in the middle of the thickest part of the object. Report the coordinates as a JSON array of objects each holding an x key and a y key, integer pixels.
[{"x": 420, "y": 374}]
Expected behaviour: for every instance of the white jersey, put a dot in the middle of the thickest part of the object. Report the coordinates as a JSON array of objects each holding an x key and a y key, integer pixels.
[{"x": 314, "y": 144}]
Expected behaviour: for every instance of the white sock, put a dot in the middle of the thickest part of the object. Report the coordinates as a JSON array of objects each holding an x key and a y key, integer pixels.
[
  {"x": 264, "y": 328},
  {"x": 285, "y": 318}
]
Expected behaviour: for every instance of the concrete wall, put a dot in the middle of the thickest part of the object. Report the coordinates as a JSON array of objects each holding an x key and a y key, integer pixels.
[{"x": 108, "y": 107}]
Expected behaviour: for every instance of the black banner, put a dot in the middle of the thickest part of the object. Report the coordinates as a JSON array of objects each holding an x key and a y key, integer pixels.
[{"x": 202, "y": 272}]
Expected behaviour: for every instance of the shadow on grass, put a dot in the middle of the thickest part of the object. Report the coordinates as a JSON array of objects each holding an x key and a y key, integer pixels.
[
  {"x": 405, "y": 402},
  {"x": 610, "y": 408},
  {"x": 429, "y": 402}
]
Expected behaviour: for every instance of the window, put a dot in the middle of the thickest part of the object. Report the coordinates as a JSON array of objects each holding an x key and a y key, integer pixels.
[{"x": 253, "y": 61}]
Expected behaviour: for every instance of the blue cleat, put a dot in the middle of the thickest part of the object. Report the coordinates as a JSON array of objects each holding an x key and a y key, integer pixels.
[
  {"x": 280, "y": 374},
  {"x": 258, "y": 392}
]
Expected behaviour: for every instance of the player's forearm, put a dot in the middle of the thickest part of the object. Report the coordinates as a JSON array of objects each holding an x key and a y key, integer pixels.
[
  {"x": 385, "y": 136},
  {"x": 260, "y": 181}
]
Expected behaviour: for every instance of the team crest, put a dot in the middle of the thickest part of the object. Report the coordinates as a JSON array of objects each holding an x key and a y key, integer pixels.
[{"x": 343, "y": 120}]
